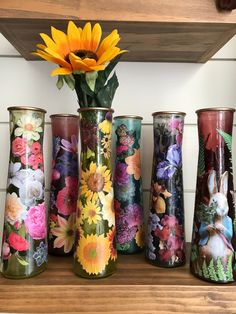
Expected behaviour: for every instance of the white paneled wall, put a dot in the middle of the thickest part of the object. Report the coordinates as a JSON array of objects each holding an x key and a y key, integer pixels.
[{"x": 144, "y": 88}]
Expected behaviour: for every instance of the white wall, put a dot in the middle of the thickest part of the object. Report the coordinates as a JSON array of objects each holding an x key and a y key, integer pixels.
[{"x": 144, "y": 88}]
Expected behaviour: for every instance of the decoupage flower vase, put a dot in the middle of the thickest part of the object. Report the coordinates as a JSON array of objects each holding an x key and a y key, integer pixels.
[
  {"x": 128, "y": 185},
  {"x": 24, "y": 248},
  {"x": 165, "y": 230},
  {"x": 95, "y": 252},
  {"x": 213, "y": 238},
  {"x": 64, "y": 184}
]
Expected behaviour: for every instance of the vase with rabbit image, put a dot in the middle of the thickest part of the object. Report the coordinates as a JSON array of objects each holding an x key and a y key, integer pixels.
[{"x": 213, "y": 238}]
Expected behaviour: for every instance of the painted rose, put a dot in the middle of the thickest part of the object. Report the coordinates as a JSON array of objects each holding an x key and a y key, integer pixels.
[
  {"x": 31, "y": 191},
  {"x": 14, "y": 209},
  {"x": 35, "y": 222},
  {"x": 17, "y": 242},
  {"x": 13, "y": 173},
  {"x": 35, "y": 160},
  {"x": 19, "y": 146},
  {"x": 121, "y": 148},
  {"x": 35, "y": 148},
  {"x": 6, "y": 251},
  {"x": 127, "y": 140},
  {"x": 66, "y": 201}
]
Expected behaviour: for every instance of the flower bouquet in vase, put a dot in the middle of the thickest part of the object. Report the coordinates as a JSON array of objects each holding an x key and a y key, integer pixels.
[{"x": 85, "y": 65}]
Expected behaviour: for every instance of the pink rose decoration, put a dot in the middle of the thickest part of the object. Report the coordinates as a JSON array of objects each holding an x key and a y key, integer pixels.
[
  {"x": 17, "y": 242},
  {"x": 35, "y": 148},
  {"x": 19, "y": 146},
  {"x": 35, "y": 160},
  {"x": 35, "y": 222},
  {"x": 6, "y": 250},
  {"x": 121, "y": 148}
]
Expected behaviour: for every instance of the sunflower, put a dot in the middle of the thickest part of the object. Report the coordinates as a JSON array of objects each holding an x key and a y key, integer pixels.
[
  {"x": 79, "y": 49},
  {"x": 92, "y": 212},
  {"x": 112, "y": 239},
  {"x": 93, "y": 253},
  {"x": 95, "y": 181},
  {"x": 106, "y": 141},
  {"x": 108, "y": 211}
]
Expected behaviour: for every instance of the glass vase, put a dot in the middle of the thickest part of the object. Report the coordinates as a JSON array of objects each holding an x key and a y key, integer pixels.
[
  {"x": 95, "y": 252},
  {"x": 213, "y": 238},
  {"x": 24, "y": 248},
  {"x": 128, "y": 185},
  {"x": 165, "y": 231},
  {"x": 64, "y": 184}
]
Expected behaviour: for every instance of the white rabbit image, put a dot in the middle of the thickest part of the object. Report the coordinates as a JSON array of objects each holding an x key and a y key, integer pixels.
[{"x": 216, "y": 238}]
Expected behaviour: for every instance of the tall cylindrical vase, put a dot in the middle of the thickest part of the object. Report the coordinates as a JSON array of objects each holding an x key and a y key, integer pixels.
[
  {"x": 213, "y": 241},
  {"x": 64, "y": 184},
  {"x": 165, "y": 232},
  {"x": 24, "y": 249},
  {"x": 95, "y": 251},
  {"x": 128, "y": 185}
]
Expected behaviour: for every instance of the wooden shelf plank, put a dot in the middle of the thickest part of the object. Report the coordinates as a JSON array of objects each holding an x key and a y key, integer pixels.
[
  {"x": 190, "y": 31},
  {"x": 136, "y": 287}
]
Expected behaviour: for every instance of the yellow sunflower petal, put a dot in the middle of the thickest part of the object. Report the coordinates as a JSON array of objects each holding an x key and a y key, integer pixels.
[
  {"x": 107, "y": 42},
  {"x": 61, "y": 41},
  {"x": 86, "y": 37},
  {"x": 96, "y": 37},
  {"x": 74, "y": 36},
  {"x": 57, "y": 56},
  {"x": 61, "y": 71},
  {"x": 48, "y": 41},
  {"x": 41, "y": 46},
  {"x": 109, "y": 55},
  {"x": 78, "y": 64}
]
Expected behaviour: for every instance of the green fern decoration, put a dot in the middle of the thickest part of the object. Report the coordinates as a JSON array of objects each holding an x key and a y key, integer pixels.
[
  {"x": 205, "y": 271},
  {"x": 201, "y": 157},
  {"x": 220, "y": 270},
  {"x": 212, "y": 272},
  {"x": 229, "y": 271},
  {"x": 227, "y": 138}
]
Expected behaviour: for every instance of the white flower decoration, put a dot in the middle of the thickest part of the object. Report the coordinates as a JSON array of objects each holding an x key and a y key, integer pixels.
[{"x": 29, "y": 127}]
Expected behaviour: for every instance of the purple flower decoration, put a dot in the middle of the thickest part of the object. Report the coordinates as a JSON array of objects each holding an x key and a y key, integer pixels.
[
  {"x": 133, "y": 215},
  {"x": 124, "y": 232},
  {"x": 121, "y": 176},
  {"x": 166, "y": 169},
  {"x": 70, "y": 146},
  {"x": 174, "y": 155}
]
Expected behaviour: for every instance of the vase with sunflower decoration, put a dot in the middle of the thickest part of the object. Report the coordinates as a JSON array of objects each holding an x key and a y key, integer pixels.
[
  {"x": 24, "y": 248},
  {"x": 85, "y": 65},
  {"x": 165, "y": 232},
  {"x": 64, "y": 183},
  {"x": 128, "y": 185}
]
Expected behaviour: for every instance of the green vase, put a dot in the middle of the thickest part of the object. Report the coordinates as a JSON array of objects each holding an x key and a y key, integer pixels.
[
  {"x": 24, "y": 249},
  {"x": 95, "y": 253}
]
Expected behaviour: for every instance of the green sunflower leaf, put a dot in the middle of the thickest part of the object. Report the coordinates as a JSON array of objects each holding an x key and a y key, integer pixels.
[
  {"x": 106, "y": 94},
  {"x": 70, "y": 81},
  {"x": 103, "y": 75},
  {"x": 90, "y": 78},
  {"x": 60, "y": 82}
]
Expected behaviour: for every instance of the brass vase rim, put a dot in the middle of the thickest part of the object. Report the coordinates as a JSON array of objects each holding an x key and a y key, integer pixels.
[
  {"x": 169, "y": 112},
  {"x": 69, "y": 115},
  {"x": 215, "y": 109},
  {"x": 128, "y": 116},
  {"x": 95, "y": 108},
  {"x": 26, "y": 108}
]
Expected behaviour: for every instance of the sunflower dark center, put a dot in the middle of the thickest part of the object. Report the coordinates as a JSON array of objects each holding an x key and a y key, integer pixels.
[{"x": 86, "y": 54}]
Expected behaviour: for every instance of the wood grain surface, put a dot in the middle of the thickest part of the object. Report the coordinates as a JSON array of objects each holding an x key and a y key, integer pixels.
[
  {"x": 136, "y": 287},
  {"x": 153, "y": 30}
]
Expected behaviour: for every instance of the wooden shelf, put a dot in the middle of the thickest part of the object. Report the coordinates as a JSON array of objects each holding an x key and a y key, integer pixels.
[
  {"x": 153, "y": 30},
  {"x": 136, "y": 287}
]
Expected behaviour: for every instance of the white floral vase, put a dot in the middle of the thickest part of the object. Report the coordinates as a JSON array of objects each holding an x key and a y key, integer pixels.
[{"x": 24, "y": 248}]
